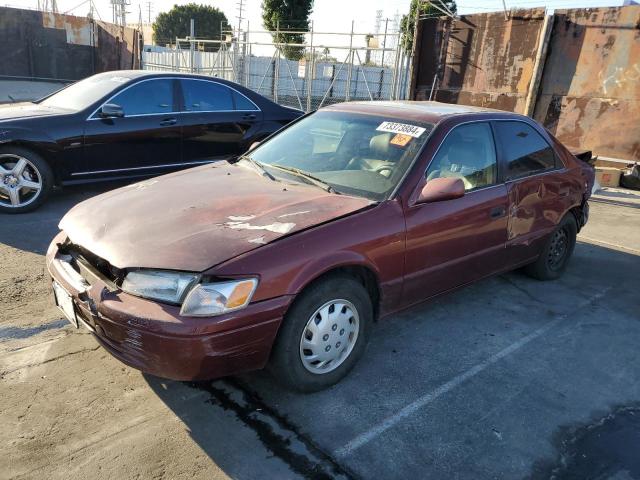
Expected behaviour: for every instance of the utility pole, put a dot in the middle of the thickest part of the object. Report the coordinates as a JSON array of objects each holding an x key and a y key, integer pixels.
[
  {"x": 240, "y": 5},
  {"x": 149, "y": 4},
  {"x": 119, "y": 11}
]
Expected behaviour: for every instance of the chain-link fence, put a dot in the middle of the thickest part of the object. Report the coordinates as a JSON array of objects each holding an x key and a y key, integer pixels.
[{"x": 333, "y": 67}]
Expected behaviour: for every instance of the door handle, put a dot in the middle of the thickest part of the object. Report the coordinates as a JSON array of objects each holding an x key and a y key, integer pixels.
[
  {"x": 249, "y": 116},
  {"x": 169, "y": 121},
  {"x": 498, "y": 212}
]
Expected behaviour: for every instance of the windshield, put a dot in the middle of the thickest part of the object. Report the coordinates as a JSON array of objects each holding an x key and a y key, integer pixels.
[
  {"x": 351, "y": 153},
  {"x": 84, "y": 93}
]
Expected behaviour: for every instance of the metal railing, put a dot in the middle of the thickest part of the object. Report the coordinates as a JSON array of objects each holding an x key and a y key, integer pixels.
[{"x": 330, "y": 70}]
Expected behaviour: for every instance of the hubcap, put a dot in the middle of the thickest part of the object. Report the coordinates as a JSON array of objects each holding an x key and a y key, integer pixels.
[
  {"x": 20, "y": 181},
  {"x": 558, "y": 249},
  {"x": 329, "y": 336}
]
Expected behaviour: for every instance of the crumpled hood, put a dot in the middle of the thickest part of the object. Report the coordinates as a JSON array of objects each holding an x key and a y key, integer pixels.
[
  {"x": 197, "y": 218},
  {"x": 18, "y": 111}
]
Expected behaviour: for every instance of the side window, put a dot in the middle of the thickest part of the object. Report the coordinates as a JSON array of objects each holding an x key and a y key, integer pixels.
[
  {"x": 242, "y": 102},
  {"x": 467, "y": 153},
  {"x": 205, "y": 96},
  {"x": 151, "y": 96},
  {"x": 524, "y": 149}
]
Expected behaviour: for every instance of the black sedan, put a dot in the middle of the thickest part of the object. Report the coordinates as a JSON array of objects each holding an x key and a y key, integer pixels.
[{"x": 126, "y": 124}]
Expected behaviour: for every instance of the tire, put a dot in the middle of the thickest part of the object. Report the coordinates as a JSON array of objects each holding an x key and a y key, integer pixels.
[
  {"x": 555, "y": 256},
  {"x": 36, "y": 175},
  {"x": 333, "y": 332}
]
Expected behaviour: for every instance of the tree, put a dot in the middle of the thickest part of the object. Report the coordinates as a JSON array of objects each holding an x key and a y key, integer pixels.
[
  {"x": 278, "y": 16},
  {"x": 421, "y": 8},
  {"x": 177, "y": 23}
]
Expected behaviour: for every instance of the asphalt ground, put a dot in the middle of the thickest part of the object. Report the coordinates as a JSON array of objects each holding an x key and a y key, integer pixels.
[{"x": 508, "y": 378}]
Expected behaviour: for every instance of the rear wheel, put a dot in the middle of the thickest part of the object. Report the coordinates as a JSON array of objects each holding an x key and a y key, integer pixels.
[
  {"x": 323, "y": 335},
  {"x": 556, "y": 254},
  {"x": 25, "y": 180}
]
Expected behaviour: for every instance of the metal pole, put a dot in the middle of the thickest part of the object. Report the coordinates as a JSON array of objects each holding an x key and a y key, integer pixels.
[
  {"x": 396, "y": 69},
  {"x": 506, "y": 15},
  {"x": 192, "y": 33},
  {"x": 310, "y": 65},
  {"x": 276, "y": 66},
  {"x": 247, "y": 59},
  {"x": 350, "y": 70},
  {"x": 177, "y": 57},
  {"x": 543, "y": 43},
  {"x": 384, "y": 41}
]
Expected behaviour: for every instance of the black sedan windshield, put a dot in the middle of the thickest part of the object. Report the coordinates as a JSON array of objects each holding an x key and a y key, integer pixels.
[
  {"x": 84, "y": 93},
  {"x": 352, "y": 153}
]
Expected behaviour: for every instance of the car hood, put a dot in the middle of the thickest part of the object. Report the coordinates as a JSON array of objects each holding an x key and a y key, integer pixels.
[
  {"x": 197, "y": 218},
  {"x": 17, "y": 111}
]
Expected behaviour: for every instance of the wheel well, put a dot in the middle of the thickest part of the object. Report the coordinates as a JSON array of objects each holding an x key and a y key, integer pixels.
[
  {"x": 362, "y": 274},
  {"x": 577, "y": 216},
  {"x": 41, "y": 152}
]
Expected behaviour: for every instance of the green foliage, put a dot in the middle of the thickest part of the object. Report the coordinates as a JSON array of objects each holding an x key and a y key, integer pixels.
[
  {"x": 291, "y": 15},
  {"x": 408, "y": 22},
  {"x": 176, "y": 23}
]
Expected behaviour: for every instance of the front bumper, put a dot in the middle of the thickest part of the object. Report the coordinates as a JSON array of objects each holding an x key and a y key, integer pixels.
[{"x": 154, "y": 338}]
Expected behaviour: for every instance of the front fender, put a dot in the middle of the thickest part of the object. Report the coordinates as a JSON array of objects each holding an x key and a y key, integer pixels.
[
  {"x": 318, "y": 267},
  {"x": 27, "y": 136}
]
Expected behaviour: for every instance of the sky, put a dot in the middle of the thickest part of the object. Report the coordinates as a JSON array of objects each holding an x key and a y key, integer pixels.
[{"x": 327, "y": 16}]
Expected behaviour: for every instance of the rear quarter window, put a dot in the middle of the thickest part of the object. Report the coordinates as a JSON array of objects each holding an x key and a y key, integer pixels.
[{"x": 524, "y": 150}]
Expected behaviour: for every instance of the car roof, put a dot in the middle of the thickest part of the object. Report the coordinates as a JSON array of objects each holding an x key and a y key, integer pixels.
[
  {"x": 432, "y": 112},
  {"x": 152, "y": 73}
]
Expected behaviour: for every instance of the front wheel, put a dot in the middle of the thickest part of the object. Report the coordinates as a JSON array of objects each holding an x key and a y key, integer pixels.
[
  {"x": 25, "y": 180},
  {"x": 323, "y": 335},
  {"x": 556, "y": 253}
]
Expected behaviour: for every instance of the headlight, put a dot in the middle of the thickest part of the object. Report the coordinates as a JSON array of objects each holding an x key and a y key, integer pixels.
[
  {"x": 208, "y": 299},
  {"x": 165, "y": 286}
]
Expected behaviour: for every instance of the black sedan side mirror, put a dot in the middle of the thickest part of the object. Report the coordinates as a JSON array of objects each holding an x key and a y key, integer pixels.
[{"x": 111, "y": 110}]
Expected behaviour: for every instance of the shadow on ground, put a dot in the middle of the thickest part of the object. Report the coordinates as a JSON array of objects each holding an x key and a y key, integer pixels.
[
  {"x": 499, "y": 421},
  {"x": 33, "y": 231}
]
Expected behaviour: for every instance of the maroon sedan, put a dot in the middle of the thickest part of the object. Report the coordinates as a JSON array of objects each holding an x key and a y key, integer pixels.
[{"x": 288, "y": 255}]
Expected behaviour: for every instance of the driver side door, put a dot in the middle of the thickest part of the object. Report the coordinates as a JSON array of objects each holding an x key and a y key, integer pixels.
[
  {"x": 454, "y": 242},
  {"x": 147, "y": 140}
]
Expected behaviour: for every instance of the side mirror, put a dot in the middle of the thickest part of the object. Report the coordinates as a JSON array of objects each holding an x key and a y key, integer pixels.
[
  {"x": 111, "y": 110},
  {"x": 440, "y": 189},
  {"x": 254, "y": 145}
]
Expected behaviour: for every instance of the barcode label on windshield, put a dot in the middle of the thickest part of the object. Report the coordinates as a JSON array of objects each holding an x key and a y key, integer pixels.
[{"x": 403, "y": 128}]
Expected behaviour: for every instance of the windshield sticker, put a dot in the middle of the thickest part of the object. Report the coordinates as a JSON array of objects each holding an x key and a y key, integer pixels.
[
  {"x": 393, "y": 127},
  {"x": 400, "y": 139}
]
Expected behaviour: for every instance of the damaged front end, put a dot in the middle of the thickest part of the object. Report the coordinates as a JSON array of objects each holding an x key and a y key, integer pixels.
[{"x": 156, "y": 336}]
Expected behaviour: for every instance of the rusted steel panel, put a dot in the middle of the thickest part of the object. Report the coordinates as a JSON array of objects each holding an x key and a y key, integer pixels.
[
  {"x": 489, "y": 60},
  {"x": 118, "y": 48},
  {"x": 78, "y": 30},
  {"x": 590, "y": 91},
  {"x": 48, "y": 45},
  {"x": 430, "y": 35}
]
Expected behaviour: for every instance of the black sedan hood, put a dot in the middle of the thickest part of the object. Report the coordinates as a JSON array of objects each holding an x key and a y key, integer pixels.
[{"x": 19, "y": 111}]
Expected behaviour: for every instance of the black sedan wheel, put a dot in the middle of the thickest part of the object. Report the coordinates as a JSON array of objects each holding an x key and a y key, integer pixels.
[{"x": 25, "y": 180}]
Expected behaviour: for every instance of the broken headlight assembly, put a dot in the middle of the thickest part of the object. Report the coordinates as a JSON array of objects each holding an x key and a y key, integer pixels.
[
  {"x": 201, "y": 299},
  {"x": 161, "y": 285}
]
